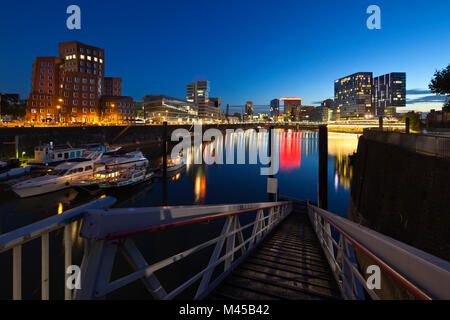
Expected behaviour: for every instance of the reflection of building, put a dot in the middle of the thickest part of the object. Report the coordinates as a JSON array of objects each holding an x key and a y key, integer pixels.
[
  {"x": 292, "y": 108},
  {"x": 274, "y": 108},
  {"x": 290, "y": 151},
  {"x": 117, "y": 109},
  {"x": 160, "y": 108},
  {"x": 343, "y": 172},
  {"x": 200, "y": 186},
  {"x": 353, "y": 95},
  {"x": 389, "y": 92}
]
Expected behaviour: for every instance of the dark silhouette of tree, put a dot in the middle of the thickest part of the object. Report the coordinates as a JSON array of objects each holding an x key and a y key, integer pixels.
[
  {"x": 440, "y": 84},
  {"x": 414, "y": 120}
]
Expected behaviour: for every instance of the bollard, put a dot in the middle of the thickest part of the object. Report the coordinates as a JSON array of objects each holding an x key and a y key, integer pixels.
[
  {"x": 407, "y": 125},
  {"x": 323, "y": 167},
  {"x": 380, "y": 122}
]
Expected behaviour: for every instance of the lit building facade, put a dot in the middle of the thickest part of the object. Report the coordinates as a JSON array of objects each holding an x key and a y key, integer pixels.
[
  {"x": 353, "y": 96},
  {"x": 117, "y": 110},
  {"x": 198, "y": 93},
  {"x": 160, "y": 108},
  {"x": 292, "y": 108},
  {"x": 389, "y": 93}
]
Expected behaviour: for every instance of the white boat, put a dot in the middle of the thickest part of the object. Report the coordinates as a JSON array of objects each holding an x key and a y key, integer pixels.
[
  {"x": 129, "y": 178},
  {"x": 128, "y": 160},
  {"x": 12, "y": 169},
  {"x": 175, "y": 164},
  {"x": 62, "y": 177}
]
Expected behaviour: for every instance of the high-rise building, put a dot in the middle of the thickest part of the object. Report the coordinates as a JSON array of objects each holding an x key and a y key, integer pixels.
[
  {"x": 389, "y": 92},
  {"x": 198, "y": 93},
  {"x": 117, "y": 110},
  {"x": 274, "y": 108},
  {"x": 216, "y": 103},
  {"x": 353, "y": 95},
  {"x": 292, "y": 108},
  {"x": 112, "y": 86},
  {"x": 249, "y": 109}
]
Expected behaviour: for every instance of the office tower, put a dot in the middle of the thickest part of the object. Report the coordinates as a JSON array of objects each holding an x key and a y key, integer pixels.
[
  {"x": 198, "y": 93},
  {"x": 389, "y": 92},
  {"x": 274, "y": 108},
  {"x": 353, "y": 96},
  {"x": 216, "y": 103},
  {"x": 249, "y": 108},
  {"x": 112, "y": 86},
  {"x": 292, "y": 108}
]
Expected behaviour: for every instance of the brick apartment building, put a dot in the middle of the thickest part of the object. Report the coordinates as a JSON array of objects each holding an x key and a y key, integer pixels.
[{"x": 68, "y": 88}]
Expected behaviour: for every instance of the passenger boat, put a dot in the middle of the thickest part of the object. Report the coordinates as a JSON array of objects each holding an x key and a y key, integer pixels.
[
  {"x": 128, "y": 160},
  {"x": 129, "y": 178},
  {"x": 62, "y": 177},
  {"x": 174, "y": 164}
]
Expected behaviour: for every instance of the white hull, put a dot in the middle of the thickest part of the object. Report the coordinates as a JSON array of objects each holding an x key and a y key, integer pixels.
[
  {"x": 42, "y": 189},
  {"x": 126, "y": 165},
  {"x": 14, "y": 173}
]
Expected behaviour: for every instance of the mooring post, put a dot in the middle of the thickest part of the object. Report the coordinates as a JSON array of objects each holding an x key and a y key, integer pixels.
[
  {"x": 271, "y": 195},
  {"x": 407, "y": 125},
  {"x": 323, "y": 167},
  {"x": 380, "y": 122},
  {"x": 164, "y": 150},
  {"x": 16, "y": 143}
]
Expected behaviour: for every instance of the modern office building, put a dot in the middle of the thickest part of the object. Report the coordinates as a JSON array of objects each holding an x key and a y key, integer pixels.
[
  {"x": 160, "y": 108},
  {"x": 216, "y": 104},
  {"x": 274, "y": 108},
  {"x": 112, "y": 86},
  {"x": 353, "y": 96},
  {"x": 249, "y": 109},
  {"x": 198, "y": 93},
  {"x": 304, "y": 113},
  {"x": 389, "y": 93},
  {"x": 116, "y": 110},
  {"x": 292, "y": 108},
  {"x": 319, "y": 114}
]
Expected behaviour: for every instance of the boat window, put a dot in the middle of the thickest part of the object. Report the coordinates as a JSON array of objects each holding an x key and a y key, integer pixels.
[
  {"x": 78, "y": 154},
  {"x": 80, "y": 170},
  {"x": 88, "y": 168},
  {"x": 66, "y": 155},
  {"x": 72, "y": 154},
  {"x": 59, "y": 155},
  {"x": 58, "y": 172}
]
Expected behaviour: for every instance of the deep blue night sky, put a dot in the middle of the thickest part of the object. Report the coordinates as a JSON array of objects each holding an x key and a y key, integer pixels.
[{"x": 249, "y": 49}]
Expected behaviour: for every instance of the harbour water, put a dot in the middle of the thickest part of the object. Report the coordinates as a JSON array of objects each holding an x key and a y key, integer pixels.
[{"x": 195, "y": 184}]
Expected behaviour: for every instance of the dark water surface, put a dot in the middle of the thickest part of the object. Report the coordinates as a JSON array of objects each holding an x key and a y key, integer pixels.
[{"x": 195, "y": 184}]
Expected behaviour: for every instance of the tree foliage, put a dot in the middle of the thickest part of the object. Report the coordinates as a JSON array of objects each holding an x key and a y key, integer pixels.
[{"x": 440, "y": 84}]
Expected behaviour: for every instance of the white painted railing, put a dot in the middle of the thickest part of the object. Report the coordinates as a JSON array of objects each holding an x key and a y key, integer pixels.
[
  {"x": 110, "y": 232},
  {"x": 422, "y": 275},
  {"x": 16, "y": 239}
]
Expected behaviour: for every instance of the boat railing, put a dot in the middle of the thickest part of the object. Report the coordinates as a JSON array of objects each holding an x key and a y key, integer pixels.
[
  {"x": 16, "y": 239},
  {"x": 421, "y": 275}
]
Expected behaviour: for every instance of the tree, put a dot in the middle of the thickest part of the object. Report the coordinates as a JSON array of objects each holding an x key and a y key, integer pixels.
[
  {"x": 414, "y": 120},
  {"x": 440, "y": 84}
]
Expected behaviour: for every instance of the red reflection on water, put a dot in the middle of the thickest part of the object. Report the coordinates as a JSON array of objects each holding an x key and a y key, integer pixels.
[{"x": 290, "y": 151}]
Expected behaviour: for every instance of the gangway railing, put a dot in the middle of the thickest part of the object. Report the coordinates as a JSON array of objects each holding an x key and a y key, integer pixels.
[
  {"x": 16, "y": 239},
  {"x": 110, "y": 232},
  {"x": 422, "y": 275}
]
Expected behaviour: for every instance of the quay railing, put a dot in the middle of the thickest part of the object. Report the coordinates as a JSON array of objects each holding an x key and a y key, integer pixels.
[
  {"x": 16, "y": 239},
  {"x": 110, "y": 232},
  {"x": 433, "y": 145},
  {"x": 422, "y": 275}
]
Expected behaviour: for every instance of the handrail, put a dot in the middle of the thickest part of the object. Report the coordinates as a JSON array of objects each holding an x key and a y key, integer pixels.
[
  {"x": 421, "y": 274},
  {"x": 14, "y": 241},
  {"x": 104, "y": 227}
]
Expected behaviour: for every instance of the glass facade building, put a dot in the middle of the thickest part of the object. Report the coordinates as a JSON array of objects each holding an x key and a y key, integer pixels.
[
  {"x": 353, "y": 96},
  {"x": 160, "y": 108},
  {"x": 389, "y": 93}
]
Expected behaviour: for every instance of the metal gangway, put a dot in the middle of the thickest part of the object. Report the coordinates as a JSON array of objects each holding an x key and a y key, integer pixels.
[{"x": 275, "y": 250}]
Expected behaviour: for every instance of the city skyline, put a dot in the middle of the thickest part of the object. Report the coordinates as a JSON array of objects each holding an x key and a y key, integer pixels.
[{"x": 237, "y": 64}]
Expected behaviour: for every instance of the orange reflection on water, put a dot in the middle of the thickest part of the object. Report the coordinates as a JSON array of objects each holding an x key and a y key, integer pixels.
[
  {"x": 200, "y": 186},
  {"x": 290, "y": 151}
]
